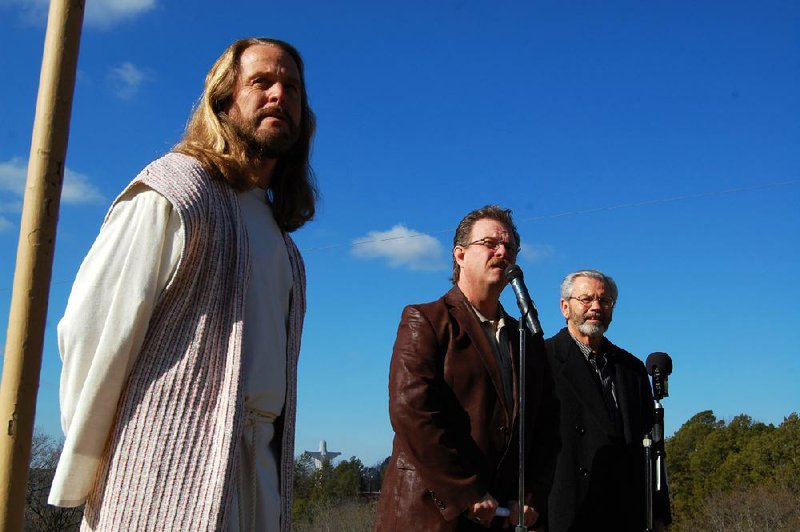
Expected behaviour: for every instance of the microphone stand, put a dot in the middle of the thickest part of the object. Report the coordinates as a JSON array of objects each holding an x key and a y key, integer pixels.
[
  {"x": 648, "y": 480},
  {"x": 529, "y": 319},
  {"x": 658, "y": 441},
  {"x": 529, "y": 314},
  {"x": 656, "y": 454},
  {"x": 654, "y": 450},
  {"x": 520, "y": 527}
]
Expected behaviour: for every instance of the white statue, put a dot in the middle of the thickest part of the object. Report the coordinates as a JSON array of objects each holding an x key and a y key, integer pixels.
[{"x": 324, "y": 455}]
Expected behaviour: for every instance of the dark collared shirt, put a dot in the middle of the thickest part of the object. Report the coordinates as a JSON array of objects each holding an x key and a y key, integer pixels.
[
  {"x": 498, "y": 338},
  {"x": 599, "y": 361}
]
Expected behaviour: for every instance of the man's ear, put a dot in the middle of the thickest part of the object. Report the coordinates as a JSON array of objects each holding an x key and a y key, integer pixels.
[
  {"x": 458, "y": 254},
  {"x": 565, "y": 308}
]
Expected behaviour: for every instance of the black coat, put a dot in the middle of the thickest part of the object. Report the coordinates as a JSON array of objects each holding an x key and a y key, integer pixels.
[{"x": 599, "y": 479}]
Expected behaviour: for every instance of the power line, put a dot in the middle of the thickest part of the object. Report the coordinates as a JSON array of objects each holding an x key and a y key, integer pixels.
[
  {"x": 663, "y": 200},
  {"x": 566, "y": 214},
  {"x": 657, "y": 201}
]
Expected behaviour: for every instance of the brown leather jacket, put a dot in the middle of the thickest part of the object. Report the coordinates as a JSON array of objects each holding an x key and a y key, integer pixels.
[{"x": 455, "y": 437}]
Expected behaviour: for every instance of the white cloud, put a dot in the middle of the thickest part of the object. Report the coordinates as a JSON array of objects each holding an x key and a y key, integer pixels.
[
  {"x": 77, "y": 187},
  {"x": 99, "y": 13},
  {"x": 402, "y": 248},
  {"x": 106, "y": 13},
  {"x": 12, "y": 176},
  {"x": 127, "y": 78},
  {"x": 535, "y": 253},
  {"x": 5, "y": 225},
  {"x": 31, "y": 11},
  {"x": 15, "y": 205}
]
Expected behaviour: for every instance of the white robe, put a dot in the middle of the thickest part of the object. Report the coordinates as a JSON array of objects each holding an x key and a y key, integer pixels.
[{"x": 104, "y": 325}]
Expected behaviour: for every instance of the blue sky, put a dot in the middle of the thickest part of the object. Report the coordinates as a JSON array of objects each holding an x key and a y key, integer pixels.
[{"x": 656, "y": 141}]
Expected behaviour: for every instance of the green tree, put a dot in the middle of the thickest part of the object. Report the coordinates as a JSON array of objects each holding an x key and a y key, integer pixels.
[
  {"x": 372, "y": 477},
  {"x": 783, "y": 453},
  {"x": 722, "y": 475},
  {"x": 303, "y": 485},
  {"x": 718, "y": 464},
  {"x": 321, "y": 492},
  {"x": 680, "y": 449},
  {"x": 345, "y": 479}
]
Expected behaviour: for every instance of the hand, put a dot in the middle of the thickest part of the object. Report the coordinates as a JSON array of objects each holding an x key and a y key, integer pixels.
[
  {"x": 482, "y": 512},
  {"x": 529, "y": 514}
]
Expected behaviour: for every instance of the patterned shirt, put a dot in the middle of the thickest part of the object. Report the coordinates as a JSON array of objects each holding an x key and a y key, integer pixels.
[{"x": 600, "y": 364}]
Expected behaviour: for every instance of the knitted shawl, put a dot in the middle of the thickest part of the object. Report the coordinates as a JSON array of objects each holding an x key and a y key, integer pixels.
[{"x": 169, "y": 462}]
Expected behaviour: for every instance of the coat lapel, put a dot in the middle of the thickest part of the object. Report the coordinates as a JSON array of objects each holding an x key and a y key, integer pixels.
[
  {"x": 624, "y": 386},
  {"x": 578, "y": 376},
  {"x": 513, "y": 348},
  {"x": 462, "y": 312}
]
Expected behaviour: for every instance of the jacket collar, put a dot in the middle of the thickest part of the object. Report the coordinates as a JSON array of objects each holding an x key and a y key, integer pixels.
[
  {"x": 574, "y": 370},
  {"x": 462, "y": 312}
]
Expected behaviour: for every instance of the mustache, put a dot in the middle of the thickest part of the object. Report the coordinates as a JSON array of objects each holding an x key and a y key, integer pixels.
[
  {"x": 503, "y": 263},
  {"x": 275, "y": 111},
  {"x": 602, "y": 317},
  {"x": 595, "y": 316}
]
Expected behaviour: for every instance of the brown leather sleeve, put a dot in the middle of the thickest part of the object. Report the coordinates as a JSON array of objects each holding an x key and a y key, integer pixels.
[{"x": 430, "y": 426}]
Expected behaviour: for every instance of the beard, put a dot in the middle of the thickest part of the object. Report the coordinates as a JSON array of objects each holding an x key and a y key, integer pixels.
[
  {"x": 270, "y": 144},
  {"x": 592, "y": 330}
]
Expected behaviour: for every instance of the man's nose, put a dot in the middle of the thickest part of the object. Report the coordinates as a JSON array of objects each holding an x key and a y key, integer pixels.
[
  {"x": 504, "y": 252},
  {"x": 507, "y": 249},
  {"x": 276, "y": 93}
]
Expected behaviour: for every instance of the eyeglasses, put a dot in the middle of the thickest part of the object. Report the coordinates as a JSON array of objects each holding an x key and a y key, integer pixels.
[
  {"x": 493, "y": 244},
  {"x": 586, "y": 301}
]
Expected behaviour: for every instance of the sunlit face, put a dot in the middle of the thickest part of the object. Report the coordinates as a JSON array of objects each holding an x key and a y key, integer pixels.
[
  {"x": 480, "y": 264},
  {"x": 591, "y": 321},
  {"x": 267, "y": 101}
]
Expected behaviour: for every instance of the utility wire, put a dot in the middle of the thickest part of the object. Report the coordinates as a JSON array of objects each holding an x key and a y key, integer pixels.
[
  {"x": 566, "y": 214},
  {"x": 657, "y": 201}
]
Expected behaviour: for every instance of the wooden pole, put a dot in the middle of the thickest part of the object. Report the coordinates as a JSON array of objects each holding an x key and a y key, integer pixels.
[{"x": 37, "y": 235}]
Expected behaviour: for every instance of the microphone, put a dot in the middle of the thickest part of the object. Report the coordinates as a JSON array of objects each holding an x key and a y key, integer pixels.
[
  {"x": 514, "y": 276},
  {"x": 659, "y": 366}
]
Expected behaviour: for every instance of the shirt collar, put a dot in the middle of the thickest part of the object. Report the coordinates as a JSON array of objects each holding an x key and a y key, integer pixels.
[
  {"x": 501, "y": 322},
  {"x": 586, "y": 350}
]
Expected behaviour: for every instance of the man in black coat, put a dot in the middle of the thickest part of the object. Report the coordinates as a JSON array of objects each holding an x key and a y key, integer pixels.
[{"x": 606, "y": 408}]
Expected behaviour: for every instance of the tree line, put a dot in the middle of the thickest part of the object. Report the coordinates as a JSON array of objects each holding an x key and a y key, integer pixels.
[
  {"x": 335, "y": 498},
  {"x": 734, "y": 476}
]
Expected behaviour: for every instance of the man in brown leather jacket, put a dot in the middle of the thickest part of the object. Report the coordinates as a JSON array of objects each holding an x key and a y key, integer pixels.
[{"x": 453, "y": 398}]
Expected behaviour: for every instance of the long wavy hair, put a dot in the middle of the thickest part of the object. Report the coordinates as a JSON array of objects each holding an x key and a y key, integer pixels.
[{"x": 212, "y": 140}]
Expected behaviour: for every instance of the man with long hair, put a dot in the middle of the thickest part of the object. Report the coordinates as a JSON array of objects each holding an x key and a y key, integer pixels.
[
  {"x": 454, "y": 404},
  {"x": 181, "y": 334}
]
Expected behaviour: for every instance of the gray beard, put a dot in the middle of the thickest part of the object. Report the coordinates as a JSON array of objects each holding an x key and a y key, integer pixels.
[{"x": 591, "y": 330}]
